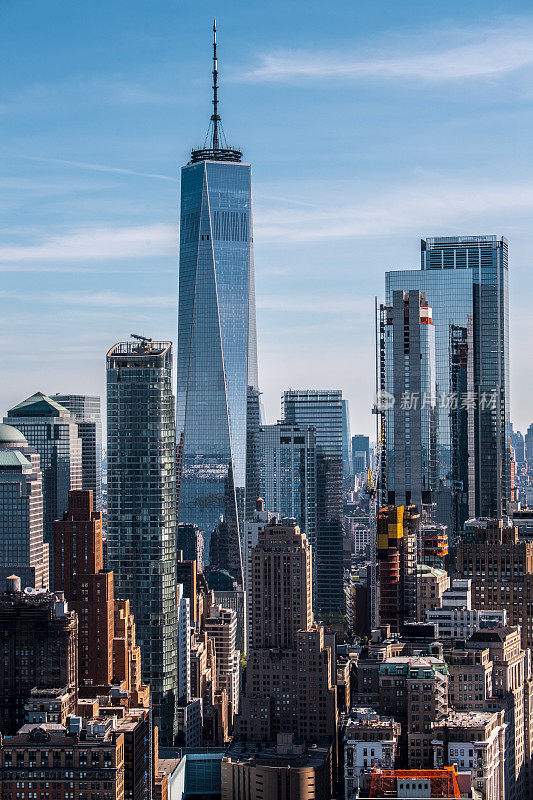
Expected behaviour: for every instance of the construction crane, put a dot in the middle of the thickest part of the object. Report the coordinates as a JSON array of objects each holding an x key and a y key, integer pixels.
[
  {"x": 145, "y": 344},
  {"x": 371, "y": 488}
]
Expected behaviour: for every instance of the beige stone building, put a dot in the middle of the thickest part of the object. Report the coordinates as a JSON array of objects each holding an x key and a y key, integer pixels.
[{"x": 431, "y": 585}]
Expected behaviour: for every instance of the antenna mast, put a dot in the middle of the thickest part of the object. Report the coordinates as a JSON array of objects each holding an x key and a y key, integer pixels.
[
  {"x": 215, "y": 118},
  {"x": 215, "y": 146}
]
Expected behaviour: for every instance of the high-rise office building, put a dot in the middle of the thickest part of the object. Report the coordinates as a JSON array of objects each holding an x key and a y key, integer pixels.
[
  {"x": 217, "y": 349},
  {"x": 323, "y": 411},
  {"x": 86, "y": 411},
  {"x": 22, "y": 549},
  {"x": 360, "y": 453},
  {"x": 287, "y": 473},
  {"x": 465, "y": 279},
  {"x": 289, "y": 686},
  {"x": 407, "y": 330},
  {"x": 53, "y": 432},
  {"x": 79, "y": 573},
  {"x": 487, "y": 258},
  {"x": 280, "y": 590},
  {"x": 141, "y": 523}
]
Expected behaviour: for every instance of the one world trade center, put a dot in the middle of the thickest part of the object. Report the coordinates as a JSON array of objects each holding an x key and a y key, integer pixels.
[{"x": 217, "y": 348}]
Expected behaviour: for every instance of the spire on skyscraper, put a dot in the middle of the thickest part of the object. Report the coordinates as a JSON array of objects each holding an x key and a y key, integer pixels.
[{"x": 215, "y": 145}]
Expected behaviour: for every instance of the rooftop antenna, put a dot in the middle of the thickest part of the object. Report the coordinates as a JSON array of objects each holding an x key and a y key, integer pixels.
[
  {"x": 215, "y": 118},
  {"x": 215, "y": 147}
]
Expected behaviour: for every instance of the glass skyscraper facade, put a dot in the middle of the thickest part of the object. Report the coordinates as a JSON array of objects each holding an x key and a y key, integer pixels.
[
  {"x": 217, "y": 350},
  {"x": 465, "y": 279},
  {"x": 322, "y": 410},
  {"x": 487, "y": 258},
  {"x": 360, "y": 453},
  {"x": 141, "y": 522},
  {"x": 86, "y": 411},
  {"x": 287, "y": 473}
]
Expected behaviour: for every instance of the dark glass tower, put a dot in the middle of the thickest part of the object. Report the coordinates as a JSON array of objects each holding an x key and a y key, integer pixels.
[
  {"x": 322, "y": 410},
  {"x": 217, "y": 349},
  {"x": 141, "y": 519},
  {"x": 487, "y": 258}
]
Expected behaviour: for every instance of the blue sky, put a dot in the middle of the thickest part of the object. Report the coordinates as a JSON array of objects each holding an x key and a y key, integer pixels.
[{"x": 369, "y": 126}]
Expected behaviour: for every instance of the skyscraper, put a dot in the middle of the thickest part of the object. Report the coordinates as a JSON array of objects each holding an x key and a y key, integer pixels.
[
  {"x": 217, "y": 349},
  {"x": 487, "y": 258},
  {"x": 410, "y": 423},
  {"x": 141, "y": 524},
  {"x": 360, "y": 453},
  {"x": 53, "y": 432},
  {"x": 287, "y": 473},
  {"x": 465, "y": 279},
  {"x": 22, "y": 549},
  {"x": 289, "y": 664},
  {"x": 323, "y": 411},
  {"x": 86, "y": 411}
]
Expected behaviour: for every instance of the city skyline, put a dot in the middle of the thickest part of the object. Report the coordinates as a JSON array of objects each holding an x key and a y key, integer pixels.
[{"x": 97, "y": 195}]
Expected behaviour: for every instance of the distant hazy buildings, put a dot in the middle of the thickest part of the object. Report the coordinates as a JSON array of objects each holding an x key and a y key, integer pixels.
[
  {"x": 141, "y": 524},
  {"x": 323, "y": 411},
  {"x": 86, "y": 411},
  {"x": 360, "y": 453},
  {"x": 22, "y": 549},
  {"x": 217, "y": 349},
  {"x": 53, "y": 432}
]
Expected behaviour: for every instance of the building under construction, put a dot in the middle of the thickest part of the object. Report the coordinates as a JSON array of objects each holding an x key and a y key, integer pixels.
[{"x": 397, "y": 536}]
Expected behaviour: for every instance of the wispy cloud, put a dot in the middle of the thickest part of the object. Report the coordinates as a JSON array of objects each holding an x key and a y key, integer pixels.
[
  {"x": 96, "y": 167},
  {"x": 100, "y": 300},
  {"x": 430, "y": 204},
  {"x": 91, "y": 244},
  {"x": 466, "y": 54}
]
